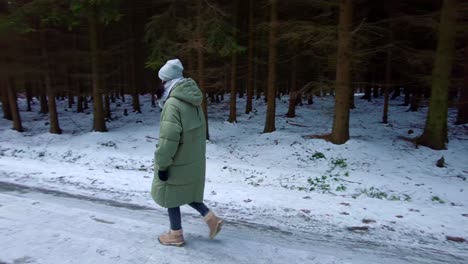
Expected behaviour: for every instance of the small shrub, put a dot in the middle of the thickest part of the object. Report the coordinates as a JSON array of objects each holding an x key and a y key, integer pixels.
[
  {"x": 317, "y": 155},
  {"x": 437, "y": 199}
]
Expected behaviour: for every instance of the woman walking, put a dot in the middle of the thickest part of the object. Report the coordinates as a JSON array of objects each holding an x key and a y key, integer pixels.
[{"x": 180, "y": 153}]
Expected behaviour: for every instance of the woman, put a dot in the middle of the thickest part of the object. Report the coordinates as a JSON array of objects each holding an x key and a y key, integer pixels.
[{"x": 180, "y": 154}]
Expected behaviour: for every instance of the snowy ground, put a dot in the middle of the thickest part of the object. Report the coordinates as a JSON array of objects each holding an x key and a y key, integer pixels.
[
  {"x": 377, "y": 183},
  {"x": 52, "y": 227}
]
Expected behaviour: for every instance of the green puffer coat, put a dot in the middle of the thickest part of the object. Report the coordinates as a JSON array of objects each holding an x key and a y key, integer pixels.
[{"x": 181, "y": 147}]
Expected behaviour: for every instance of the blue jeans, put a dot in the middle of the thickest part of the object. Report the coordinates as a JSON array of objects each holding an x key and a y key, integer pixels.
[{"x": 175, "y": 218}]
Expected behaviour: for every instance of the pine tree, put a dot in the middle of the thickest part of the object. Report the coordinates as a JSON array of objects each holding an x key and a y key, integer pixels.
[
  {"x": 250, "y": 59},
  {"x": 99, "y": 123},
  {"x": 53, "y": 115},
  {"x": 340, "y": 131},
  {"x": 11, "y": 91},
  {"x": 435, "y": 131},
  {"x": 233, "y": 98},
  {"x": 271, "y": 95},
  {"x": 462, "y": 116}
]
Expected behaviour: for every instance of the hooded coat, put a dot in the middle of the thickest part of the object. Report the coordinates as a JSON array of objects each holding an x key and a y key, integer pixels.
[{"x": 181, "y": 148}]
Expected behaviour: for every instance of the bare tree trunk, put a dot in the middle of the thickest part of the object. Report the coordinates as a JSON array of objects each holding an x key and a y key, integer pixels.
[
  {"x": 293, "y": 89},
  {"x": 250, "y": 66},
  {"x": 79, "y": 105},
  {"x": 44, "y": 108},
  {"x": 28, "y": 93},
  {"x": 53, "y": 115},
  {"x": 201, "y": 64},
  {"x": 4, "y": 99},
  {"x": 462, "y": 116},
  {"x": 388, "y": 80},
  {"x": 271, "y": 106},
  {"x": 233, "y": 98},
  {"x": 388, "y": 66},
  {"x": 132, "y": 63},
  {"x": 85, "y": 102},
  {"x": 14, "y": 105},
  {"x": 107, "y": 106},
  {"x": 435, "y": 131},
  {"x": 340, "y": 132},
  {"x": 351, "y": 98},
  {"x": 415, "y": 98},
  {"x": 99, "y": 123}
]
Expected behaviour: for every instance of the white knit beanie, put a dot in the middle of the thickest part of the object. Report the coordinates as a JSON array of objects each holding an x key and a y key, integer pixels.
[{"x": 171, "y": 70}]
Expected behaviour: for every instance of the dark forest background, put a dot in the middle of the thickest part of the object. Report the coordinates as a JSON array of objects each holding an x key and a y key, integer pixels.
[{"x": 101, "y": 51}]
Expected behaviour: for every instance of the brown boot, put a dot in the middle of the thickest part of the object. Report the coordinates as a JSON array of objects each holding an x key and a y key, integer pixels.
[
  {"x": 172, "y": 238},
  {"x": 214, "y": 223}
]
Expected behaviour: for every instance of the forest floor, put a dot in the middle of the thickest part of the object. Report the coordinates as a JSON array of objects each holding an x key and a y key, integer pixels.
[{"x": 377, "y": 187}]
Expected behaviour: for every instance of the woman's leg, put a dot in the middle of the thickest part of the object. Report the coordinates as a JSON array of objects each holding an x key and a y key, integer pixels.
[
  {"x": 175, "y": 236},
  {"x": 200, "y": 207},
  {"x": 174, "y": 218}
]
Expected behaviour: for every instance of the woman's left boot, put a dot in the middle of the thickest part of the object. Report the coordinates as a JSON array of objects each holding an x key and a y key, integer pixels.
[{"x": 214, "y": 224}]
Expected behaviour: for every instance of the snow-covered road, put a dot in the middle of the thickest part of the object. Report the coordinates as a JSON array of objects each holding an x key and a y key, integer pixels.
[{"x": 41, "y": 226}]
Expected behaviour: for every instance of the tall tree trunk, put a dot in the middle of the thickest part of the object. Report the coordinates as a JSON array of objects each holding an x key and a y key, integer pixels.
[
  {"x": 201, "y": 63},
  {"x": 376, "y": 90},
  {"x": 53, "y": 115},
  {"x": 71, "y": 99},
  {"x": 271, "y": 106},
  {"x": 293, "y": 89},
  {"x": 233, "y": 98},
  {"x": 132, "y": 62},
  {"x": 340, "y": 132},
  {"x": 462, "y": 116},
  {"x": 396, "y": 92},
  {"x": 351, "y": 98},
  {"x": 79, "y": 104},
  {"x": 14, "y": 105},
  {"x": 407, "y": 98},
  {"x": 388, "y": 66},
  {"x": 85, "y": 102},
  {"x": 250, "y": 60},
  {"x": 435, "y": 131},
  {"x": 28, "y": 93},
  {"x": 153, "y": 101},
  {"x": 388, "y": 80},
  {"x": 99, "y": 123},
  {"x": 43, "y": 98},
  {"x": 4, "y": 99},
  {"x": 415, "y": 98},
  {"x": 107, "y": 106}
]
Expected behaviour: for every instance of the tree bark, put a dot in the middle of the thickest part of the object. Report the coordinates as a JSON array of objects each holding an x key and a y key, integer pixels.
[
  {"x": 132, "y": 63},
  {"x": 250, "y": 60},
  {"x": 462, "y": 116},
  {"x": 388, "y": 66},
  {"x": 4, "y": 99},
  {"x": 53, "y": 115},
  {"x": 43, "y": 98},
  {"x": 28, "y": 88},
  {"x": 435, "y": 131},
  {"x": 17, "y": 125},
  {"x": 201, "y": 64},
  {"x": 99, "y": 123},
  {"x": 107, "y": 106},
  {"x": 271, "y": 106},
  {"x": 388, "y": 80},
  {"x": 415, "y": 98},
  {"x": 293, "y": 89},
  {"x": 340, "y": 131},
  {"x": 233, "y": 98}
]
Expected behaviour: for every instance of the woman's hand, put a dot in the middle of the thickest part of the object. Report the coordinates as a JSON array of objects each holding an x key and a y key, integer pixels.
[{"x": 163, "y": 175}]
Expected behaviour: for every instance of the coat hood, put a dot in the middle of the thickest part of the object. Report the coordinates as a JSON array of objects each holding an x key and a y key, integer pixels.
[{"x": 187, "y": 90}]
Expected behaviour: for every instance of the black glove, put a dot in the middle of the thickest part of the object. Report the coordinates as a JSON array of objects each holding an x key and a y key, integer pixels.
[{"x": 163, "y": 175}]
